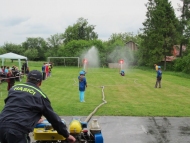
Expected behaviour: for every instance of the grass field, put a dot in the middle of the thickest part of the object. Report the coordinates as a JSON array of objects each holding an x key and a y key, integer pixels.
[{"x": 131, "y": 95}]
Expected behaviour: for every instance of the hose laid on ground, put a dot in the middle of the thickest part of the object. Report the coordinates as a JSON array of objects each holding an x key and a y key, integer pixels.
[
  {"x": 103, "y": 99},
  {"x": 104, "y": 102}
]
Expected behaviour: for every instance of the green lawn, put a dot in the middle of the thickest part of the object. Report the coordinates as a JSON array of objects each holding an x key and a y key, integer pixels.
[{"x": 131, "y": 95}]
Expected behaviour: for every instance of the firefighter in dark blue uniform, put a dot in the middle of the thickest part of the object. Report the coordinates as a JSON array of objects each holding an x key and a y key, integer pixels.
[{"x": 24, "y": 106}]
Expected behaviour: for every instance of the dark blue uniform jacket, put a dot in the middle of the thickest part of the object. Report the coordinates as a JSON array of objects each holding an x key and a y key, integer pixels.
[{"x": 25, "y": 105}]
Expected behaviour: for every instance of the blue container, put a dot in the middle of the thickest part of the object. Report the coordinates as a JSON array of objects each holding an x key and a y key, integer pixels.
[{"x": 44, "y": 124}]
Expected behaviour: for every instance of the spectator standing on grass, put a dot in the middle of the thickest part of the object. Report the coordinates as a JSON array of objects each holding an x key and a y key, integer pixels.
[
  {"x": 27, "y": 71},
  {"x": 25, "y": 66},
  {"x": 43, "y": 71},
  {"x": 50, "y": 68},
  {"x": 158, "y": 77},
  {"x": 10, "y": 79},
  {"x": 6, "y": 70},
  {"x": 47, "y": 70},
  {"x": 51, "y": 65},
  {"x": 82, "y": 85},
  {"x": 49, "y": 75},
  {"x": 22, "y": 69},
  {"x": 24, "y": 107}
]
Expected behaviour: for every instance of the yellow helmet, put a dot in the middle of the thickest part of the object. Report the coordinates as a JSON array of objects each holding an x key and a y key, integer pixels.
[{"x": 75, "y": 127}]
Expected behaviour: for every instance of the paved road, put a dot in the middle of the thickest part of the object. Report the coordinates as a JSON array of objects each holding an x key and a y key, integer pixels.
[{"x": 121, "y": 129}]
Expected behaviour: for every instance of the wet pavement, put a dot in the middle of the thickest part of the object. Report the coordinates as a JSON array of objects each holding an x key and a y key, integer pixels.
[{"x": 125, "y": 129}]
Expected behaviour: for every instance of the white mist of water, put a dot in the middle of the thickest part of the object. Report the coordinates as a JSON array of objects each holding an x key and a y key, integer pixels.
[
  {"x": 92, "y": 57},
  {"x": 121, "y": 53}
]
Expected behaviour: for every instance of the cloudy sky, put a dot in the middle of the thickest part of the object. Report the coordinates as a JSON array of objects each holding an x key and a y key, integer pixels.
[{"x": 20, "y": 19}]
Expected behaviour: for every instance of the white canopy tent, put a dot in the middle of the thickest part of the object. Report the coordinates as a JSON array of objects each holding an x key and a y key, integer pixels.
[{"x": 12, "y": 56}]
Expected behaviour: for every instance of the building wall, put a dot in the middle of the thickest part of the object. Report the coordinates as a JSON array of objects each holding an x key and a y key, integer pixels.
[
  {"x": 113, "y": 65},
  {"x": 132, "y": 45},
  {"x": 117, "y": 65}
]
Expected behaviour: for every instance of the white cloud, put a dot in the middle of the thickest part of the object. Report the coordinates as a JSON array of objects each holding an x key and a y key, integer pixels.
[{"x": 33, "y": 18}]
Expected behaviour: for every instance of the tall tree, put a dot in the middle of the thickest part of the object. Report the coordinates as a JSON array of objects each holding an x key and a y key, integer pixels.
[
  {"x": 36, "y": 43},
  {"x": 125, "y": 37},
  {"x": 80, "y": 31},
  {"x": 159, "y": 32},
  {"x": 54, "y": 42},
  {"x": 184, "y": 23}
]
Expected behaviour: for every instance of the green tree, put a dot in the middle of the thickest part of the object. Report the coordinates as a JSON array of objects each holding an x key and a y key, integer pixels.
[
  {"x": 76, "y": 48},
  {"x": 54, "y": 42},
  {"x": 36, "y": 43},
  {"x": 14, "y": 48},
  {"x": 117, "y": 40},
  {"x": 159, "y": 32},
  {"x": 80, "y": 31},
  {"x": 125, "y": 37},
  {"x": 2, "y": 50},
  {"x": 112, "y": 50},
  {"x": 31, "y": 53},
  {"x": 184, "y": 28}
]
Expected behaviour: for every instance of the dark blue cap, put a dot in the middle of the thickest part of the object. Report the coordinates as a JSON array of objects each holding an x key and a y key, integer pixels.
[{"x": 35, "y": 75}]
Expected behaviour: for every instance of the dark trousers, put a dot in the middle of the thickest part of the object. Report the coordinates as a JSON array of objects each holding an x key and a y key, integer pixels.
[
  {"x": 158, "y": 82},
  {"x": 10, "y": 84},
  {"x": 8, "y": 135},
  {"x": 44, "y": 75}
]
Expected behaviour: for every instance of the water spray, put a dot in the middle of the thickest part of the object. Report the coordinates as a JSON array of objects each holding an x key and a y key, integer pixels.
[
  {"x": 90, "y": 58},
  {"x": 84, "y": 64},
  {"x": 121, "y": 64},
  {"x": 122, "y": 72}
]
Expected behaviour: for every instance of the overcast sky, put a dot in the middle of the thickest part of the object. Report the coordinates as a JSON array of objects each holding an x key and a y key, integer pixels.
[{"x": 20, "y": 19}]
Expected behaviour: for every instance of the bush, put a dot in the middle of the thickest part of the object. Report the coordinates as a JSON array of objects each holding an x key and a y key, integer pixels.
[
  {"x": 179, "y": 65},
  {"x": 182, "y": 64}
]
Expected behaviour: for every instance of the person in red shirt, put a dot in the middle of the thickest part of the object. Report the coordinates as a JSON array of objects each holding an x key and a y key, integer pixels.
[{"x": 47, "y": 70}]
